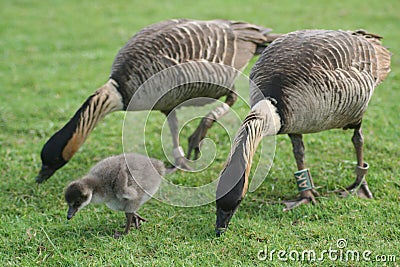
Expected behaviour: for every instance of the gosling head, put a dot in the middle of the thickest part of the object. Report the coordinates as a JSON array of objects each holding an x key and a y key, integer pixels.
[{"x": 77, "y": 196}]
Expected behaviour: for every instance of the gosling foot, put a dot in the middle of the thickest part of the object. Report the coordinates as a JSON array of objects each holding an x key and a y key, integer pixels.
[
  {"x": 130, "y": 217},
  {"x": 138, "y": 220}
]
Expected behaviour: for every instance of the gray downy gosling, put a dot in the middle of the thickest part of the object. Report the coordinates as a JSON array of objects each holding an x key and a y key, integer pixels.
[{"x": 120, "y": 187}]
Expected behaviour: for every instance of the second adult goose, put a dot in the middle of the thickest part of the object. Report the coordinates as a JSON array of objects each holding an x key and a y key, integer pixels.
[
  {"x": 305, "y": 82},
  {"x": 207, "y": 46}
]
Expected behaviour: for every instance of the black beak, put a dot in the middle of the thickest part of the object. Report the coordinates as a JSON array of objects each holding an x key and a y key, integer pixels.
[
  {"x": 223, "y": 218},
  {"x": 45, "y": 173},
  {"x": 71, "y": 212}
]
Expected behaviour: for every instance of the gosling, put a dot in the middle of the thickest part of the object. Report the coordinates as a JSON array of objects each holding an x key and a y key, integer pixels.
[{"x": 124, "y": 182}]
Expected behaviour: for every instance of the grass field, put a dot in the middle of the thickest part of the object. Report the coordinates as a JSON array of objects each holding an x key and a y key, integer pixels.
[{"x": 56, "y": 53}]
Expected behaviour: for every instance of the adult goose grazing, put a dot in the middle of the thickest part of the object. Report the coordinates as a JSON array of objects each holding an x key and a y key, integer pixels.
[
  {"x": 305, "y": 82},
  {"x": 214, "y": 51}
]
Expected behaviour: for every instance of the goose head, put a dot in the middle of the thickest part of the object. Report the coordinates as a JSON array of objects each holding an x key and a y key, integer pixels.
[{"x": 60, "y": 148}]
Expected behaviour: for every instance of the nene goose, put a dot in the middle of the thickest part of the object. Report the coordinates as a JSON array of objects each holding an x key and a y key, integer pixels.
[
  {"x": 209, "y": 46},
  {"x": 124, "y": 182},
  {"x": 304, "y": 82}
]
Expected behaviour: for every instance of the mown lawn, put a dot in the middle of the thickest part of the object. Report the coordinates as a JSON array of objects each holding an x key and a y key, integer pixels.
[{"x": 56, "y": 53}]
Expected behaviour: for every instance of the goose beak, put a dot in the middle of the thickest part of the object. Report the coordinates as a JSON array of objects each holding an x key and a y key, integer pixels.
[
  {"x": 44, "y": 174},
  {"x": 71, "y": 212},
  {"x": 223, "y": 218}
]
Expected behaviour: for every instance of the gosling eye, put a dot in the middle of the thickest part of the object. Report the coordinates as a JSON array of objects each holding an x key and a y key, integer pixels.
[{"x": 79, "y": 202}]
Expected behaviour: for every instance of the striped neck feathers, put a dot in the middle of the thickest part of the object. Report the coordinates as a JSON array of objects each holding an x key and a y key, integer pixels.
[
  {"x": 263, "y": 120},
  {"x": 105, "y": 100}
]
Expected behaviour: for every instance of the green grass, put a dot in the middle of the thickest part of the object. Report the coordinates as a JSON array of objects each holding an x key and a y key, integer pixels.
[{"x": 56, "y": 53}]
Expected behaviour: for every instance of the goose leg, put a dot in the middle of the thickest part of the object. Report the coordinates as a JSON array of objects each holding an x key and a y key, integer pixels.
[
  {"x": 206, "y": 123},
  {"x": 307, "y": 195},
  {"x": 130, "y": 217},
  {"x": 138, "y": 220},
  {"x": 179, "y": 155},
  {"x": 360, "y": 185}
]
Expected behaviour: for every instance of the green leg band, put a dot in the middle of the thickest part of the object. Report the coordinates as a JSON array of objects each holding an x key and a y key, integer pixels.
[{"x": 303, "y": 180}]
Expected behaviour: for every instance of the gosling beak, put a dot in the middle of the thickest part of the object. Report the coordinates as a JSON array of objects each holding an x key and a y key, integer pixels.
[
  {"x": 71, "y": 212},
  {"x": 44, "y": 174},
  {"x": 223, "y": 218}
]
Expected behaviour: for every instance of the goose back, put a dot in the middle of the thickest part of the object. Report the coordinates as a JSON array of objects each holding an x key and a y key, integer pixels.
[
  {"x": 320, "y": 79},
  {"x": 207, "y": 45}
]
